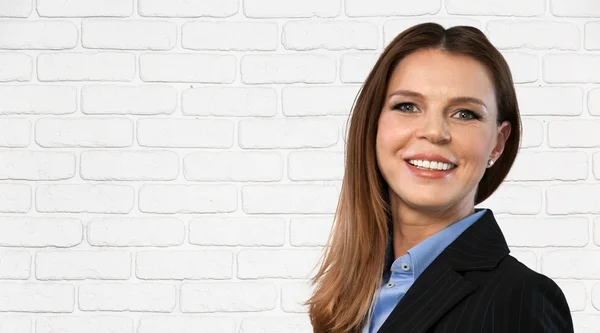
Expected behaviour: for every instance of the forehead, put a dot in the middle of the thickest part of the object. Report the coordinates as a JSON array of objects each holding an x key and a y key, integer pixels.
[{"x": 437, "y": 74}]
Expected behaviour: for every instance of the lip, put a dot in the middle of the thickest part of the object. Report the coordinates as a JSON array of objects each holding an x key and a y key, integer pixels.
[{"x": 429, "y": 157}]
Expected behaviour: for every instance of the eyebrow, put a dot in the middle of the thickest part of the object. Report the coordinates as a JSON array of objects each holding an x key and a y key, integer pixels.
[{"x": 460, "y": 99}]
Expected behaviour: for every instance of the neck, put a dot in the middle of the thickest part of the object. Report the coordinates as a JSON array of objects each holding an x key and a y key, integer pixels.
[{"x": 412, "y": 225}]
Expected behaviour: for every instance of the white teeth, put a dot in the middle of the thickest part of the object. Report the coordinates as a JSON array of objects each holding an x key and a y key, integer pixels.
[{"x": 431, "y": 165}]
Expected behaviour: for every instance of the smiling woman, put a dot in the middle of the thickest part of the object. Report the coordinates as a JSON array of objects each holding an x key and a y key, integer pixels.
[
  {"x": 437, "y": 112},
  {"x": 434, "y": 131}
]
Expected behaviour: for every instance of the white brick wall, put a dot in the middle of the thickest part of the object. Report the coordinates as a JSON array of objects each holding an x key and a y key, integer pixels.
[{"x": 173, "y": 165}]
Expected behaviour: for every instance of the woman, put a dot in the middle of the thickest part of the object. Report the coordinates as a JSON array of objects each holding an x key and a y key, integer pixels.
[{"x": 434, "y": 131}]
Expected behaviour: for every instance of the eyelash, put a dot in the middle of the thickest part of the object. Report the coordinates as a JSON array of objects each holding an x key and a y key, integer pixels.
[{"x": 474, "y": 115}]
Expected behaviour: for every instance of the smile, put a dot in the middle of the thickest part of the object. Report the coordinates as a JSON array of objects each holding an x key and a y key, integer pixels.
[{"x": 431, "y": 165}]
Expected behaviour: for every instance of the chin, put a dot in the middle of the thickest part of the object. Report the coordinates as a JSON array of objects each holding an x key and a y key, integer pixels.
[
  {"x": 429, "y": 205},
  {"x": 428, "y": 202}
]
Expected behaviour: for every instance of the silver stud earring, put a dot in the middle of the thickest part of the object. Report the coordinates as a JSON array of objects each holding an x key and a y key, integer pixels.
[{"x": 490, "y": 162}]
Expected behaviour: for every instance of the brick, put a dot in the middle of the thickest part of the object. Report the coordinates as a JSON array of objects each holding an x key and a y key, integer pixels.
[
  {"x": 293, "y": 295},
  {"x": 523, "y": 66},
  {"x": 44, "y": 35},
  {"x": 280, "y": 323},
  {"x": 330, "y": 35},
  {"x": 291, "y": 8},
  {"x": 541, "y": 232},
  {"x": 82, "y": 264},
  {"x": 181, "y": 67},
  {"x": 19, "y": 323},
  {"x": 15, "y": 66},
  {"x": 549, "y": 165},
  {"x": 86, "y": 66},
  {"x": 354, "y": 67},
  {"x": 496, "y": 7},
  {"x": 287, "y": 264},
  {"x": 15, "y": 265},
  {"x": 38, "y": 99},
  {"x": 571, "y": 264},
  {"x": 310, "y": 231},
  {"x": 127, "y": 296},
  {"x": 178, "y": 323},
  {"x": 571, "y": 68},
  {"x": 128, "y": 34},
  {"x": 515, "y": 199},
  {"x": 185, "y": 8},
  {"x": 586, "y": 323},
  {"x": 537, "y": 35},
  {"x": 191, "y": 133},
  {"x": 37, "y": 297},
  {"x": 393, "y": 27},
  {"x": 233, "y": 166},
  {"x": 357, "y": 8},
  {"x": 84, "y": 8},
  {"x": 229, "y": 101},
  {"x": 37, "y": 165},
  {"x": 226, "y": 36},
  {"x": 237, "y": 231},
  {"x": 16, "y": 8},
  {"x": 135, "y": 231},
  {"x": 576, "y": 294},
  {"x": 533, "y": 133},
  {"x": 593, "y": 99},
  {"x": 15, "y": 198},
  {"x": 84, "y": 198},
  {"x": 592, "y": 36},
  {"x": 188, "y": 198},
  {"x": 43, "y": 231},
  {"x": 550, "y": 101},
  {"x": 129, "y": 165},
  {"x": 315, "y": 165},
  {"x": 288, "y": 68},
  {"x": 79, "y": 323},
  {"x": 596, "y": 296},
  {"x": 84, "y": 132},
  {"x": 290, "y": 199},
  {"x": 566, "y": 199},
  {"x": 228, "y": 297},
  {"x": 179, "y": 265},
  {"x": 147, "y": 99},
  {"x": 288, "y": 133},
  {"x": 574, "y": 8},
  {"x": 596, "y": 234},
  {"x": 15, "y": 132},
  {"x": 317, "y": 101},
  {"x": 574, "y": 133}
]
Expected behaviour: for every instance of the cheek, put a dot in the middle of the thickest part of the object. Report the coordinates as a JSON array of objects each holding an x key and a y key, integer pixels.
[
  {"x": 391, "y": 133},
  {"x": 473, "y": 148}
]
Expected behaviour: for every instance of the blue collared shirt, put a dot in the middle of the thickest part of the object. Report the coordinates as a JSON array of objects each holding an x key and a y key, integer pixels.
[{"x": 406, "y": 269}]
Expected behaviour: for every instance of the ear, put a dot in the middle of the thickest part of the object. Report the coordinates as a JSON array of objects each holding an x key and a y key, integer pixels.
[{"x": 503, "y": 133}]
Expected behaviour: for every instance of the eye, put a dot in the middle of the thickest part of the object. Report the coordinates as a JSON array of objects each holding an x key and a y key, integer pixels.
[
  {"x": 466, "y": 115},
  {"x": 402, "y": 107}
]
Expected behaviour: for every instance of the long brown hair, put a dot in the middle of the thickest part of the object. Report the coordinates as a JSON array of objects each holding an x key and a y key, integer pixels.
[{"x": 352, "y": 265}]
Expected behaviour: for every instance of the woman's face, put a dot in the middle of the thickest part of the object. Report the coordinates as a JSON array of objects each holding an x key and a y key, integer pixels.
[{"x": 438, "y": 108}]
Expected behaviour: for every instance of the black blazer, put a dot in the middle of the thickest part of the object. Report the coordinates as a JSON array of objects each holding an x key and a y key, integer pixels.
[{"x": 474, "y": 285}]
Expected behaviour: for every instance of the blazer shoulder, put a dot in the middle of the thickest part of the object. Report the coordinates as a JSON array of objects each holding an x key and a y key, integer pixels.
[{"x": 534, "y": 298}]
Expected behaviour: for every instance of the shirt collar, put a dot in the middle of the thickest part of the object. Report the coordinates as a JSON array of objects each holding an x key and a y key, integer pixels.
[{"x": 422, "y": 254}]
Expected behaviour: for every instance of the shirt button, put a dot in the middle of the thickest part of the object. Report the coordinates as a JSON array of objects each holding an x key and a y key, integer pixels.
[
  {"x": 405, "y": 267},
  {"x": 391, "y": 284}
]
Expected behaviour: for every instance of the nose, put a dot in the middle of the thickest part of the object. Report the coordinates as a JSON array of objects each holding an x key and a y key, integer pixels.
[{"x": 434, "y": 128}]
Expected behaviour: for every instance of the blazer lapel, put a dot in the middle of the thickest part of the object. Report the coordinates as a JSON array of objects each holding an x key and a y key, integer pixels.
[{"x": 443, "y": 284}]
